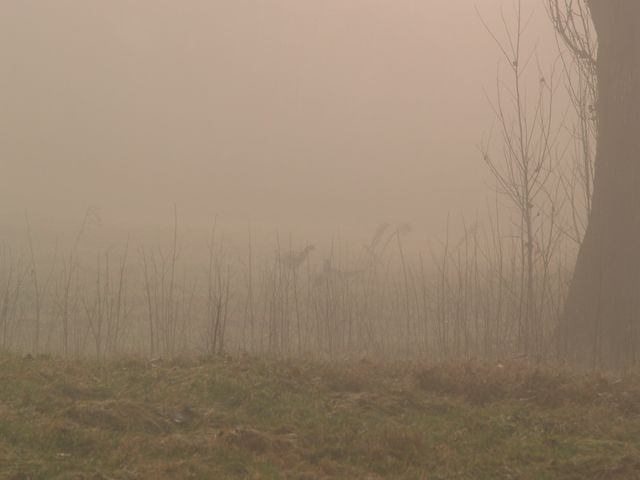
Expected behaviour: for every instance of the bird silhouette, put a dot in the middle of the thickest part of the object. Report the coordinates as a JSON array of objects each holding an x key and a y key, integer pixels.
[
  {"x": 328, "y": 272},
  {"x": 293, "y": 260}
]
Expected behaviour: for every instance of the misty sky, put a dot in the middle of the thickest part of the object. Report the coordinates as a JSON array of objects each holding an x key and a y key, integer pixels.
[{"x": 293, "y": 114}]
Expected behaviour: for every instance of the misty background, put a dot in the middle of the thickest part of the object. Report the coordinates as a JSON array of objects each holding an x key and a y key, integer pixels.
[{"x": 318, "y": 118}]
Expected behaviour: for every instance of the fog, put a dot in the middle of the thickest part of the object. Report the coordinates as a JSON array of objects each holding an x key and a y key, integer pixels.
[
  {"x": 339, "y": 149},
  {"x": 319, "y": 239},
  {"x": 295, "y": 116}
]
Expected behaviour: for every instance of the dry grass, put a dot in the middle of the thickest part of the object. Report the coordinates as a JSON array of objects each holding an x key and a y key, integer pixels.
[{"x": 257, "y": 418}]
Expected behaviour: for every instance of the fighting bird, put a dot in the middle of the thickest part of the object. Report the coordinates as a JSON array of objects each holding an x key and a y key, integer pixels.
[{"x": 293, "y": 260}]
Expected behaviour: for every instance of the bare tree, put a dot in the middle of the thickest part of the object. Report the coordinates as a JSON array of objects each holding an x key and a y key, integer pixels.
[
  {"x": 523, "y": 170},
  {"x": 600, "y": 324}
]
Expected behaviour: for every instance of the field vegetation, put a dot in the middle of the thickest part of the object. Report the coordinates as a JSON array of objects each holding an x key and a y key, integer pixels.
[
  {"x": 244, "y": 417},
  {"x": 468, "y": 297}
]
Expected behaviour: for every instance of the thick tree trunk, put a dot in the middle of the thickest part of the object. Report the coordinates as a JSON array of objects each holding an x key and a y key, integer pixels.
[{"x": 601, "y": 325}]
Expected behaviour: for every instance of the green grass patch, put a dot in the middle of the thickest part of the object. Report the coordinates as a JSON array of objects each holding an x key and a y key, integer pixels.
[{"x": 254, "y": 418}]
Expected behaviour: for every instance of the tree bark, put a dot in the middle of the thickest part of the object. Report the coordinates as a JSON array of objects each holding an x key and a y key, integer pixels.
[{"x": 601, "y": 323}]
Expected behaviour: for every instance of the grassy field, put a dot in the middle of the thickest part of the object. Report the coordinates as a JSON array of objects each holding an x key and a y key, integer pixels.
[{"x": 256, "y": 418}]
